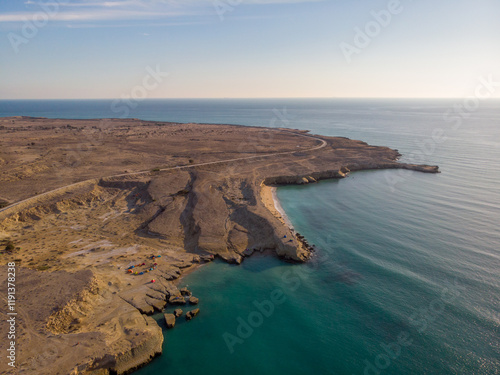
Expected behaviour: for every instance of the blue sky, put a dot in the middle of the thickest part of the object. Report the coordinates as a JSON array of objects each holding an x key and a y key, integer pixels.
[{"x": 247, "y": 48}]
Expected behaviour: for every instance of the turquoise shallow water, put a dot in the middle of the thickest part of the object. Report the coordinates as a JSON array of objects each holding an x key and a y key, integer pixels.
[{"x": 406, "y": 276}]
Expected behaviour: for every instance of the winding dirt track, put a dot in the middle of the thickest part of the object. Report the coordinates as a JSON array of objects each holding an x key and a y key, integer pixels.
[{"x": 323, "y": 144}]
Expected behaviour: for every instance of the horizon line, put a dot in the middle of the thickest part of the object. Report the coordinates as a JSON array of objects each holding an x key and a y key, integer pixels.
[{"x": 257, "y": 98}]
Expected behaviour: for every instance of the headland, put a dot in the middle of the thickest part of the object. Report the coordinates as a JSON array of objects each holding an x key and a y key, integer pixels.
[{"x": 82, "y": 201}]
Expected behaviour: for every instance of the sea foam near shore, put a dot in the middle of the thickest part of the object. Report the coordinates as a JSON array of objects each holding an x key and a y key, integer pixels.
[
  {"x": 269, "y": 197},
  {"x": 280, "y": 209}
]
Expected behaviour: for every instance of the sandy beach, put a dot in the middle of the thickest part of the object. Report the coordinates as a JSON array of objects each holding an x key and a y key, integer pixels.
[
  {"x": 280, "y": 209},
  {"x": 272, "y": 203}
]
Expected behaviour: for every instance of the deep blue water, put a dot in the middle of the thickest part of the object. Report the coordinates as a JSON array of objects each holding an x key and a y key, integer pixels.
[{"x": 406, "y": 276}]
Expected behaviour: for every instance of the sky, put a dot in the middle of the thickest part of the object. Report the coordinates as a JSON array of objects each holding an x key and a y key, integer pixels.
[{"x": 85, "y": 49}]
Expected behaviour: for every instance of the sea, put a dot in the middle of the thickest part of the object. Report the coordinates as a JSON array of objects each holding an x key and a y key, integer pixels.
[{"x": 405, "y": 277}]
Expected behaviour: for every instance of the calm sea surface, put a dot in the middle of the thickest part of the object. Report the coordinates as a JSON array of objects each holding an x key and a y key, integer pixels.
[{"x": 406, "y": 276}]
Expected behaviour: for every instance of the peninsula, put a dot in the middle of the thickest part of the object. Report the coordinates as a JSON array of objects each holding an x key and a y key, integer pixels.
[{"x": 81, "y": 201}]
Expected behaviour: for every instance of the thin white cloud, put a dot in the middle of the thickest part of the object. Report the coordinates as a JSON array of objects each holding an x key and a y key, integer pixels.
[
  {"x": 174, "y": 3},
  {"x": 125, "y": 10},
  {"x": 96, "y": 4},
  {"x": 120, "y": 25},
  {"x": 210, "y": 2},
  {"x": 92, "y": 15}
]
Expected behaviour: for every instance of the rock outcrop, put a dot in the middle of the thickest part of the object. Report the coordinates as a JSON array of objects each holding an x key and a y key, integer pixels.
[
  {"x": 193, "y": 300},
  {"x": 76, "y": 320},
  {"x": 177, "y": 300},
  {"x": 169, "y": 320},
  {"x": 191, "y": 314}
]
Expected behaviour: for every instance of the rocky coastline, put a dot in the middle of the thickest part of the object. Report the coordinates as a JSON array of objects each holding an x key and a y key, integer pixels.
[{"x": 115, "y": 249}]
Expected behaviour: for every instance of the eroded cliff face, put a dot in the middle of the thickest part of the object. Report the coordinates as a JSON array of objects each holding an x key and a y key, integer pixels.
[{"x": 224, "y": 217}]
